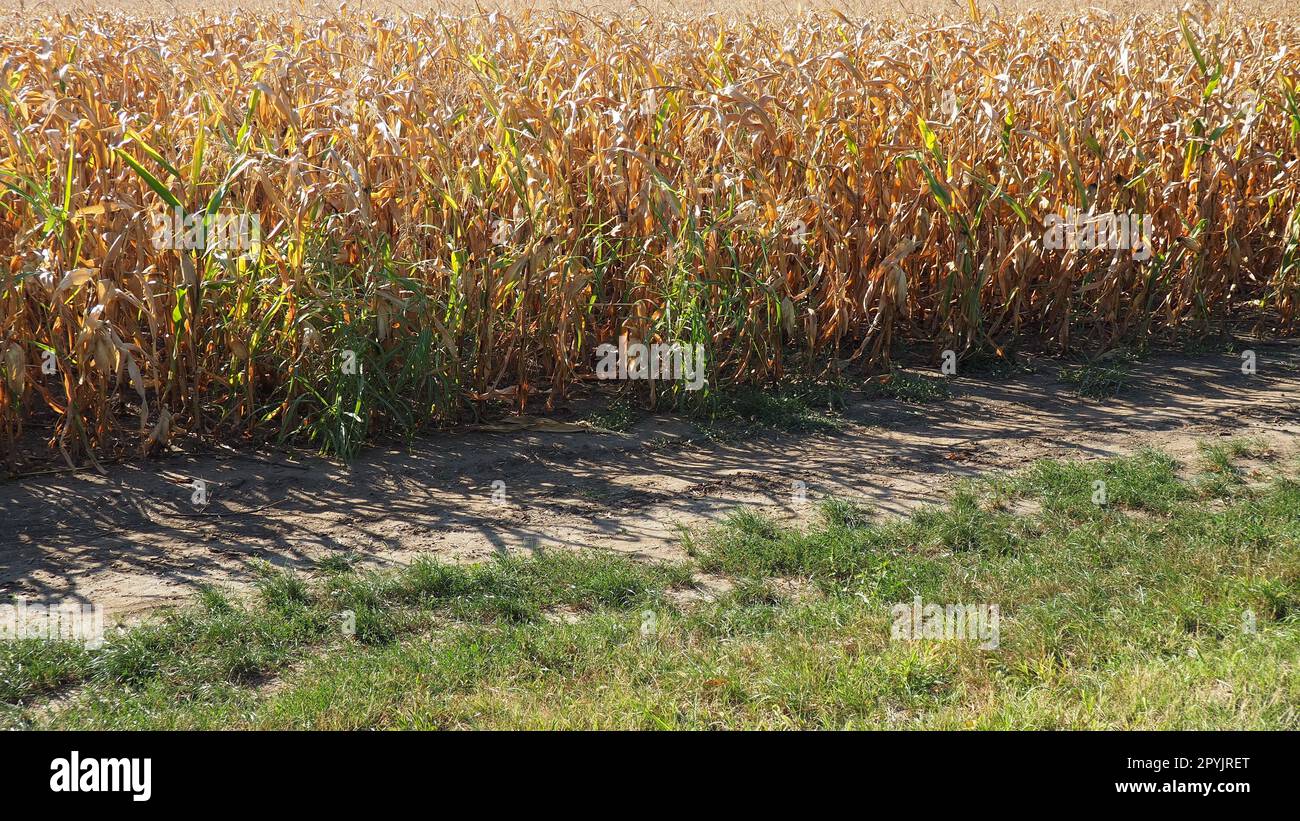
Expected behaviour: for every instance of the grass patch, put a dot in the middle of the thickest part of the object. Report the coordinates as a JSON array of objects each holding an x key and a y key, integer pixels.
[
  {"x": 792, "y": 407},
  {"x": 618, "y": 416},
  {"x": 994, "y": 364},
  {"x": 907, "y": 386},
  {"x": 1221, "y": 475},
  {"x": 1152, "y": 610},
  {"x": 1099, "y": 380},
  {"x": 34, "y": 667},
  {"x": 1147, "y": 481}
]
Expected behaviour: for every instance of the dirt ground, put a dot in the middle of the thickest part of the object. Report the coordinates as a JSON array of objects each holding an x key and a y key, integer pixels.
[{"x": 133, "y": 540}]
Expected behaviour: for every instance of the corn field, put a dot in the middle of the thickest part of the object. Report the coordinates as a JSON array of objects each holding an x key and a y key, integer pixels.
[{"x": 469, "y": 205}]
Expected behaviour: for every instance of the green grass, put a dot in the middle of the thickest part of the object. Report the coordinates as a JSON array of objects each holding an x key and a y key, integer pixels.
[
  {"x": 1105, "y": 377},
  {"x": 34, "y": 666},
  {"x": 792, "y": 407},
  {"x": 1221, "y": 475},
  {"x": 1176, "y": 604},
  {"x": 619, "y": 415},
  {"x": 1147, "y": 481},
  {"x": 994, "y": 364},
  {"x": 906, "y": 386}
]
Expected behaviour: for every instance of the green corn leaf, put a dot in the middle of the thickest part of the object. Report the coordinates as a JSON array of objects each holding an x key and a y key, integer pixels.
[{"x": 150, "y": 180}]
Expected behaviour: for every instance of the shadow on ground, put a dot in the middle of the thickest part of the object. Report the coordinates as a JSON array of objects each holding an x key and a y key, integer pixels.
[{"x": 133, "y": 540}]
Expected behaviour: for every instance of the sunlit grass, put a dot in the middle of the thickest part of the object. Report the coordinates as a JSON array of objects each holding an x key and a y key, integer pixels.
[{"x": 1153, "y": 610}]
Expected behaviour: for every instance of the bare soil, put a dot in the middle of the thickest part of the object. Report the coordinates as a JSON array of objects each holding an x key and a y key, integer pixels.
[{"x": 132, "y": 540}]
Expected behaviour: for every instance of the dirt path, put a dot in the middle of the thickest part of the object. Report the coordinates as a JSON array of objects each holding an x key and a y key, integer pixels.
[{"x": 132, "y": 540}]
